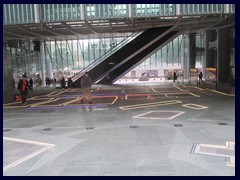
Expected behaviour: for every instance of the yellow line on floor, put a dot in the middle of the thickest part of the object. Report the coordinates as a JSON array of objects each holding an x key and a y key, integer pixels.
[
  {"x": 115, "y": 100},
  {"x": 150, "y": 105},
  {"x": 154, "y": 90},
  {"x": 194, "y": 94},
  {"x": 221, "y": 92},
  {"x": 179, "y": 88},
  {"x": 199, "y": 88}
]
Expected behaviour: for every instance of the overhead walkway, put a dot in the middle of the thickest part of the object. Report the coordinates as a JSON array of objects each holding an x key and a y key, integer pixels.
[{"x": 61, "y": 21}]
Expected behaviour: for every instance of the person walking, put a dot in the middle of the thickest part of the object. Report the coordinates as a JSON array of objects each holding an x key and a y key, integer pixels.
[
  {"x": 63, "y": 83},
  {"x": 200, "y": 77},
  {"x": 174, "y": 76},
  {"x": 70, "y": 83},
  {"x": 31, "y": 84},
  {"x": 86, "y": 84},
  {"x": 23, "y": 87}
]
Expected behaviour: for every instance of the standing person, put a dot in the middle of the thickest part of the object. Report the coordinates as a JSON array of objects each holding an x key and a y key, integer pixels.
[
  {"x": 200, "y": 77},
  {"x": 63, "y": 83},
  {"x": 174, "y": 76},
  {"x": 23, "y": 87},
  {"x": 86, "y": 83},
  {"x": 31, "y": 84},
  {"x": 70, "y": 83}
]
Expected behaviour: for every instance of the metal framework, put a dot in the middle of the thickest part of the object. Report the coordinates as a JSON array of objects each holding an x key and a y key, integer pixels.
[{"x": 69, "y": 21}]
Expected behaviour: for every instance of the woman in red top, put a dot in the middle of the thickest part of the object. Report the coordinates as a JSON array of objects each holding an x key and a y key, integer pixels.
[{"x": 23, "y": 86}]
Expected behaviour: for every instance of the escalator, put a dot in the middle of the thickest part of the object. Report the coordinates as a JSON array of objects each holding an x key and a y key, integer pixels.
[
  {"x": 138, "y": 59},
  {"x": 123, "y": 55}
]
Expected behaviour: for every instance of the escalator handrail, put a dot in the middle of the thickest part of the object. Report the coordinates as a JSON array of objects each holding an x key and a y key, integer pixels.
[{"x": 107, "y": 54}]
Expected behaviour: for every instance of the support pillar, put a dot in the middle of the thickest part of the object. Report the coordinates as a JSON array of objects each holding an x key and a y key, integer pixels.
[
  {"x": 185, "y": 57},
  {"x": 223, "y": 61},
  {"x": 210, "y": 50},
  {"x": 42, "y": 58},
  {"x": 192, "y": 50}
]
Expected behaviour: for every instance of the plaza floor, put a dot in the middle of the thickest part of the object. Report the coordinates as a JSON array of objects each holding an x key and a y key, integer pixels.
[{"x": 164, "y": 129}]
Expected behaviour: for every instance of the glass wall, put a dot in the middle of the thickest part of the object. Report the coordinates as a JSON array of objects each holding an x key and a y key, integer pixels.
[
  {"x": 18, "y": 13},
  {"x": 24, "y": 61},
  {"x": 25, "y": 13},
  {"x": 74, "y": 55},
  {"x": 103, "y": 11},
  {"x": 201, "y": 8},
  {"x": 172, "y": 54},
  {"x": 56, "y": 12},
  {"x": 139, "y": 10}
]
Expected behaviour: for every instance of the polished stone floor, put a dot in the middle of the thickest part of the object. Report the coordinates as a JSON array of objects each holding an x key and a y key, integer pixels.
[{"x": 163, "y": 129}]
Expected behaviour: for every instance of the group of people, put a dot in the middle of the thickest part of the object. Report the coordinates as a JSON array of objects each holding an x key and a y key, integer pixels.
[
  {"x": 69, "y": 83},
  {"x": 200, "y": 76},
  {"x": 50, "y": 81},
  {"x": 86, "y": 84}
]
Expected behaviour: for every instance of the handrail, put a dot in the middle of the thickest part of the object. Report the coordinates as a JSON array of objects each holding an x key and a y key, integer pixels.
[{"x": 107, "y": 54}]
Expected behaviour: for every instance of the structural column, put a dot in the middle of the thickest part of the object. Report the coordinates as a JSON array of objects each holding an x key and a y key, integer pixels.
[
  {"x": 7, "y": 71},
  {"x": 192, "y": 50},
  {"x": 185, "y": 56},
  {"x": 42, "y": 58},
  {"x": 223, "y": 60},
  {"x": 210, "y": 51}
]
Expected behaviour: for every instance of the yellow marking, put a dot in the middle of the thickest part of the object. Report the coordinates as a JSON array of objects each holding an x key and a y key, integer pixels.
[
  {"x": 221, "y": 93},
  {"x": 31, "y": 105},
  {"x": 194, "y": 94},
  {"x": 16, "y": 102},
  {"x": 79, "y": 98},
  {"x": 150, "y": 103},
  {"x": 199, "y": 88},
  {"x": 47, "y": 146},
  {"x": 50, "y": 93},
  {"x": 59, "y": 93},
  {"x": 169, "y": 118},
  {"x": 182, "y": 85},
  {"x": 191, "y": 106},
  {"x": 163, "y": 103},
  {"x": 44, "y": 103},
  {"x": 39, "y": 98},
  {"x": 115, "y": 100},
  {"x": 179, "y": 88},
  {"x": 69, "y": 102},
  {"x": 154, "y": 90},
  {"x": 178, "y": 93}
]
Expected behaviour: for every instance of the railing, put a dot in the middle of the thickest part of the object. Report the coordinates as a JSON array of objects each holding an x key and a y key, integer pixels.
[{"x": 106, "y": 55}]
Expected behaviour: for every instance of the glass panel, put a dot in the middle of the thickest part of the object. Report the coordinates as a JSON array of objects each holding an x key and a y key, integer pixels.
[
  {"x": 200, "y": 8},
  {"x": 204, "y": 8}
]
